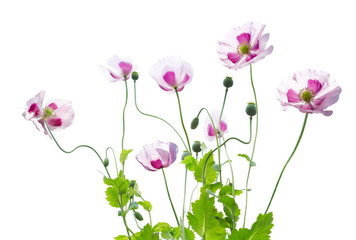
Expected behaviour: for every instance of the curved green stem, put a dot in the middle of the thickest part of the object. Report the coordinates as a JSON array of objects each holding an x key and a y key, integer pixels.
[
  {"x": 290, "y": 157},
  {"x": 232, "y": 138},
  {"x": 113, "y": 152},
  {"x": 149, "y": 115},
  {"x": 169, "y": 197},
  {"x": 80, "y": 146},
  {"x": 254, "y": 145}
]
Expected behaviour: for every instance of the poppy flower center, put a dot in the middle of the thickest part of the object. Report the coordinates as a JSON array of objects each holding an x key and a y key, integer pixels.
[
  {"x": 244, "y": 49},
  {"x": 47, "y": 112},
  {"x": 306, "y": 95}
]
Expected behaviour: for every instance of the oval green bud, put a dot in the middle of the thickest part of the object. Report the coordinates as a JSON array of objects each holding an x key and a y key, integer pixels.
[
  {"x": 119, "y": 213},
  {"x": 228, "y": 82},
  {"x": 106, "y": 162},
  {"x": 185, "y": 153},
  {"x": 251, "y": 109},
  {"x": 194, "y": 124},
  {"x": 134, "y": 75},
  {"x": 138, "y": 216},
  {"x": 196, "y": 146}
]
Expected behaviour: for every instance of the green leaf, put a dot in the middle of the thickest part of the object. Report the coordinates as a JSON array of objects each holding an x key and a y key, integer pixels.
[
  {"x": 121, "y": 237},
  {"x": 260, "y": 229},
  {"x": 189, "y": 234},
  {"x": 123, "y": 155},
  {"x": 231, "y": 209},
  {"x": 161, "y": 227},
  {"x": 146, "y": 205},
  {"x": 245, "y": 156},
  {"x": 132, "y": 206},
  {"x": 190, "y": 162},
  {"x": 210, "y": 173},
  {"x": 147, "y": 233},
  {"x": 113, "y": 196},
  {"x": 203, "y": 219},
  {"x": 227, "y": 190}
]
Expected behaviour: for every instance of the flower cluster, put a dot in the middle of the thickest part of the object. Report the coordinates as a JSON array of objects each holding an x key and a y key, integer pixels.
[{"x": 309, "y": 91}]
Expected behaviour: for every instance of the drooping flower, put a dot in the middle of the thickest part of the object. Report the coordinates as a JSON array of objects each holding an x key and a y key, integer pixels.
[
  {"x": 157, "y": 155},
  {"x": 209, "y": 128},
  {"x": 309, "y": 91},
  {"x": 57, "y": 113},
  {"x": 118, "y": 69},
  {"x": 172, "y": 73},
  {"x": 244, "y": 45}
]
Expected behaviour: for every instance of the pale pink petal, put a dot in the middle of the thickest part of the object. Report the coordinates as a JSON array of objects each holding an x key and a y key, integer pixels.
[
  {"x": 234, "y": 57},
  {"x": 34, "y": 106},
  {"x": 292, "y": 96}
]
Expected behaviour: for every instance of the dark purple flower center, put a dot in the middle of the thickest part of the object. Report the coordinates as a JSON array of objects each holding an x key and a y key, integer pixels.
[{"x": 157, "y": 164}]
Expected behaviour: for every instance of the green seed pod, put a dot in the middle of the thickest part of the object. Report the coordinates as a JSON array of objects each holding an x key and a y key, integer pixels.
[
  {"x": 106, "y": 162},
  {"x": 196, "y": 147},
  {"x": 138, "y": 216},
  {"x": 228, "y": 82},
  {"x": 251, "y": 109},
  {"x": 185, "y": 153},
  {"x": 119, "y": 213},
  {"x": 134, "y": 75},
  {"x": 195, "y": 123}
]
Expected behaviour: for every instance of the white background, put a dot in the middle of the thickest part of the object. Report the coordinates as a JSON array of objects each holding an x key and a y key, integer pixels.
[{"x": 58, "y": 46}]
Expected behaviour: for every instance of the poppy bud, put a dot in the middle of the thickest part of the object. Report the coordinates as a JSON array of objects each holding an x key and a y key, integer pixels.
[
  {"x": 134, "y": 75},
  {"x": 194, "y": 124},
  {"x": 228, "y": 82},
  {"x": 106, "y": 162},
  {"x": 196, "y": 147},
  {"x": 138, "y": 216},
  {"x": 251, "y": 109},
  {"x": 185, "y": 153}
]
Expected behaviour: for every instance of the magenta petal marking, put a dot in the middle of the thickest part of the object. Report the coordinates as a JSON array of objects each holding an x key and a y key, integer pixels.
[
  {"x": 314, "y": 85},
  {"x": 113, "y": 75},
  {"x": 186, "y": 79},
  {"x": 53, "y": 106},
  {"x": 307, "y": 107},
  {"x": 244, "y": 37},
  {"x": 211, "y": 131},
  {"x": 55, "y": 122},
  {"x": 170, "y": 78},
  {"x": 223, "y": 126},
  {"x": 233, "y": 57},
  {"x": 292, "y": 96},
  {"x": 256, "y": 47},
  {"x": 34, "y": 109},
  {"x": 157, "y": 164},
  {"x": 125, "y": 67},
  {"x": 250, "y": 57}
]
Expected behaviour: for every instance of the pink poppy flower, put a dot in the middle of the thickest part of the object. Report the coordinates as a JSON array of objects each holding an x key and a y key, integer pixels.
[
  {"x": 119, "y": 69},
  {"x": 157, "y": 155},
  {"x": 209, "y": 129},
  {"x": 244, "y": 45},
  {"x": 172, "y": 73},
  {"x": 57, "y": 113},
  {"x": 309, "y": 91}
]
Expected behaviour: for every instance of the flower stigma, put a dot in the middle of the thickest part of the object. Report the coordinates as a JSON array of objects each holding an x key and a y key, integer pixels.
[
  {"x": 245, "y": 49},
  {"x": 306, "y": 95}
]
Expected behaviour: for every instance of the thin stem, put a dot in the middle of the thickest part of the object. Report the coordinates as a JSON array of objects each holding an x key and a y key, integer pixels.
[
  {"x": 233, "y": 183},
  {"x": 169, "y": 196},
  {"x": 149, "y": 115},
  {"x": 290, "y": 157},
  {"x": 232, "y": 138},
  {"x": 254, "y": 145},
  {"x": 124, "y": 217},
  {"x": 181, "y": 119},
  {"x": 80, "y": 146},
  {"x": 113, "y": 152},
  {"x": 123, "y": 117}
]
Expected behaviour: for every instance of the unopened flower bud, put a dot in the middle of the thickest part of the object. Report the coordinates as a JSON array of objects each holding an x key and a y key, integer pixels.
[
  {"x": 134, "y": 75},
  {"x": 138, "y": 216},
  {"x": 132, "y": 183},
  {"x": 196, "y": 147},
  {"x": 195, "y": 123},
  {"x": 228, "y": 82},
  {"x": 251, "y": 109},
  {"x": 119, "y": 213},
  {"x": 106, "y": 162},
  {"x": 185, "y": 153}
]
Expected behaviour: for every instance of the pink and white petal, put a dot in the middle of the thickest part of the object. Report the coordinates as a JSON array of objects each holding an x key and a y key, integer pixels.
[
  {"x": 111, "y": 75},
  {"x": 314, "y": 85},
  {"x": 263, "y": 41},
  {"x": 244, "y": 37},
  {"x": 330, "y": 98},
  {"x": 34, "y": 106},
  {"x": 234, "y": 57},
  {"x": 292, "y": 96}
]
